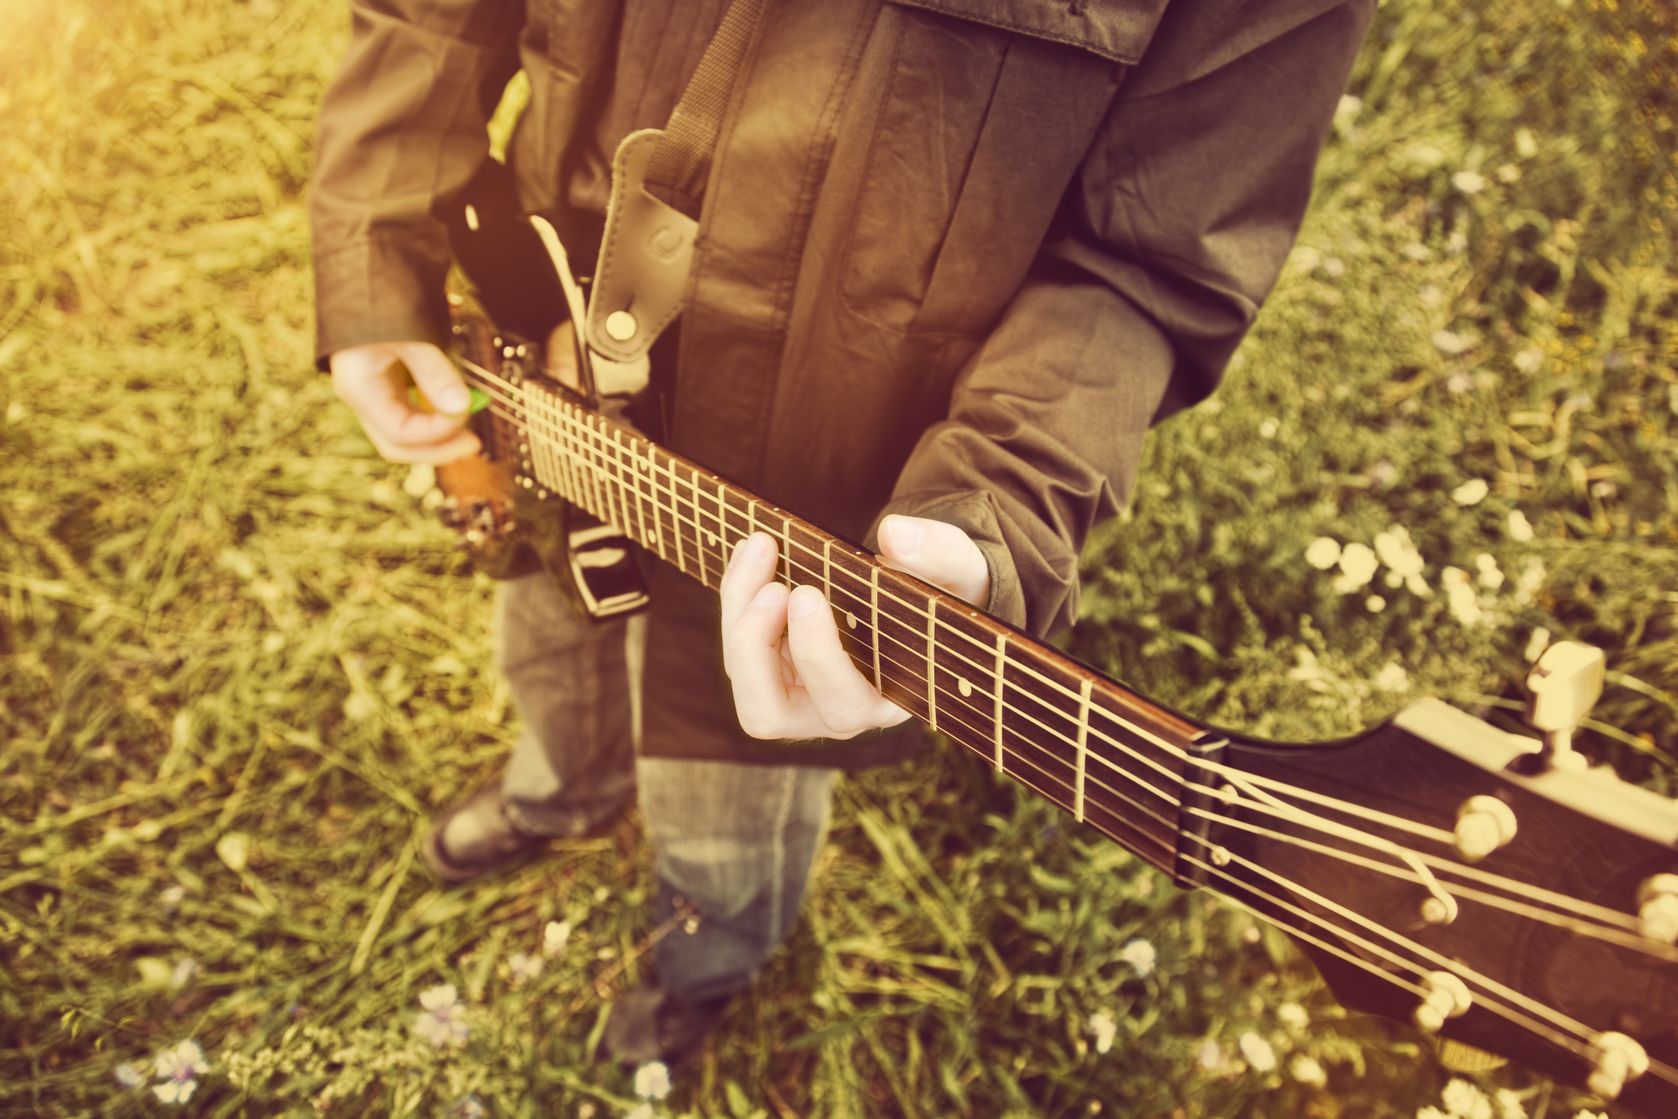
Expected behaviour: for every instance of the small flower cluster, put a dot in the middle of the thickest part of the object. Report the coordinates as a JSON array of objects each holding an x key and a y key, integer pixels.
[
  {"x": 1463, "y": 1100},
  {"x": 177, "y": 1070},
  {"x": 442, "y": 1021}
]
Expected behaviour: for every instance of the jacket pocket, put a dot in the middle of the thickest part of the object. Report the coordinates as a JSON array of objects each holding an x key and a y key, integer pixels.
[{"x": 985, "y": 109}]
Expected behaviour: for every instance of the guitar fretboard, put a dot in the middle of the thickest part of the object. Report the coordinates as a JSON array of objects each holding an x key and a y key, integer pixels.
[{"x": 1079, "y": 740}]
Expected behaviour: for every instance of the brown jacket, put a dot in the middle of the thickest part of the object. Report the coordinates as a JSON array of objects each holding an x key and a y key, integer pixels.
[{"x": 956, "y": 256}]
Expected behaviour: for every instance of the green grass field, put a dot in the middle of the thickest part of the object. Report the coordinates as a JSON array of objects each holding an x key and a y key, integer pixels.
[{"x": 239, "y": 664}]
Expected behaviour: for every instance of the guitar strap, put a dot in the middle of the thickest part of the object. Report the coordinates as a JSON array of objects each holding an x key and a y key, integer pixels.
[{"x": 652, "y": 219}]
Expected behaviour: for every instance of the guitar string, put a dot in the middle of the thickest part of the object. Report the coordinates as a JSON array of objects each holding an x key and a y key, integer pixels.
[
  {"x": 1586, "y": 1048},
  {"x": 1443, "y": 963},
  {"x": 1624, "y": 940},
  {"x": 641, "y": 498},
  {"x": 614, "y": 478}
]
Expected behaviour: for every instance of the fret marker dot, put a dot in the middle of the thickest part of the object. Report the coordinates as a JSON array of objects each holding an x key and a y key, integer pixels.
[
  {"x": 850, "y": 619},
  {"x": 652, "y": 534},
  {"x": 964, "y": 688}
]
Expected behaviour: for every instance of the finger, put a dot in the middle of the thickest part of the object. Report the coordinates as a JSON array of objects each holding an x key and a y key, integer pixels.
[
  {"x": 751, "y": 565},
  {"x": 436, "y": 377},
  {"x": 843, "y": 699},
  {"x": 371, "y": 381},
  {"x": 752, "y": 651},
  {"x": 463, "y": 443},
  {"x": 938, "y": 552}
]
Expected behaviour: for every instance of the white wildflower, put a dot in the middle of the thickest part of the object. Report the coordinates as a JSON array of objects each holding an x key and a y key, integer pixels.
[
  {"x": 555, "y": 935},
  {"x": 1346, "y": 110},
  {"x": 443, "y": 1021},
  {"x": 1103, "y": 1029},
  {"x": 170, "y": 897},
  {"x": 1374, "y": 604},
  {"x": 1520, "y": 529},
  {"x": 1308, "y": 1070},
  {"x": 1490, "y": 576},
  {"x": 1395, "y": 549},
  {"x": 1471, "y": 492},
  {"x": 642, "y": 1110},
  {"x": 1509, "y": 1105},
  {"x": 1465, "y": 1101},
  {"x": 1260, "y": 1056},
  {"x": 1469, "y": 182},
  {"x": 1431, "y": 1112},
  {"x": 1141, "y": 955},
  {"x": 1323, "y": 553},
  {"x": 1450, "y": 343},
  {"x": 1269, "y": 428},
  {"x": 1590, "y": 1115},
  {"x": 1392, "y": 678},
  {"x": 183, "y": 973},
  {"x": 1530, "y": 360},
  {"x": 524, "y": 966},
  {"x": 1417, "y": 586},
  {"x": 1209, "y": 1055},
  {"x": 652, "y": 1081},
  {"x": 128, "y": 1074},
  {"x": 1537, "y": 643},
  {"x": 421, "y": 478},
  {"x": 586, "y": 1110},
  {"x": 1460, "y": 596},
  {"x": 1293, "y": 1016},
  {"x": 178, "y": 1069},
  {"x": 1458, "y": 383},
  {"x": 1357, "y": 567},
  {"x": 1530, "y": 581}
]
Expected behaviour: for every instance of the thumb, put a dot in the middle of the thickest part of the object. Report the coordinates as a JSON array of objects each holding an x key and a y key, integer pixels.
[
  {"x": 435, "y": 376},
  {"x": 938, "y": 552}
]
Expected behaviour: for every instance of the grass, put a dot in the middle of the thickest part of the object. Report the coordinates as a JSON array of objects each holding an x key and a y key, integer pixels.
[{"x": 241, "y": 666}]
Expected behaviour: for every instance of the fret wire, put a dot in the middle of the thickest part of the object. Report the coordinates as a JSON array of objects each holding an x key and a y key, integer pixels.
[
  {"x": 698, "y": 541},
  {"x": 874, "y": 617},
  {"x": 676, "y": 529},
  {"x": 1083, "y": 746},
  {"x": 932, "y": 664},
  {"x": 1001, "y": 664},
  {"x": 634, "y": 509},
  {"x": 656, "y": 533}
]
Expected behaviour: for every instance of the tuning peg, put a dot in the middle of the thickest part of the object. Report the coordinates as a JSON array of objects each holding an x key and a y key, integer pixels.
[
  {"x": 1619, "y": 1059},
  {"x": 1447, "y": 997},
  {"x": 1484, "y": 824},
  {"x": 1565, "y": 683},
  {"x": 1657, "y": 908}
]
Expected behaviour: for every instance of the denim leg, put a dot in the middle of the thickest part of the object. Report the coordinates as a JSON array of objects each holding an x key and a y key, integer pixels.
[
  {"x": 574, "y": 765},
  {"x": 739, "y": 840}
]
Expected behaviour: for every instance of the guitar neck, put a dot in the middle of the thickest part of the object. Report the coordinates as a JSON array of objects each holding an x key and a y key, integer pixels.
[{"x": 1079, "y": 740}]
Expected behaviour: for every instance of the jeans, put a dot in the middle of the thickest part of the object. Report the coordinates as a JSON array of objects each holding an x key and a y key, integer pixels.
[{"x": 736, "y": 840}]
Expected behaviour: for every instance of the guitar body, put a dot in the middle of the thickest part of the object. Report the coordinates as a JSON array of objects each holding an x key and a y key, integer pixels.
[{"x": 1488, "y": 888}]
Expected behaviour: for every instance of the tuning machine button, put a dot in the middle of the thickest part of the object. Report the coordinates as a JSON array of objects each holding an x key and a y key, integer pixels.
[
  {"x": 1657, "y": 908},
  {"x": 1565, "y": 684},
  {"x": 1447, "y": 997},
  {"x": 1619, "y": 1058},
  {"x": 1484, "y": 824}
]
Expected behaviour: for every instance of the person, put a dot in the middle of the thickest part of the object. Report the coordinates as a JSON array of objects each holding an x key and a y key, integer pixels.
[{"x": 955, "y": 258}]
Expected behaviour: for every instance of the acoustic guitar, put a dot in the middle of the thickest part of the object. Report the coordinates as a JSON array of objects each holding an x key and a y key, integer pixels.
[{"x": 1487, "y": 886}]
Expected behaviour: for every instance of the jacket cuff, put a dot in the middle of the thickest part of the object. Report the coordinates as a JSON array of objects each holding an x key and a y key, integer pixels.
[
  {"x": 375, "y": 291},
  {"x": 975, "y": 513}
]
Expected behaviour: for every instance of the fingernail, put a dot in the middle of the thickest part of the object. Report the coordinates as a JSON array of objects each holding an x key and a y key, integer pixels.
[
  {"x": 454, "y": 401},
  {"x": 906, "y": 535},
  {"x": 753, "y": 549},
  {"x": 804, "y": 602}
]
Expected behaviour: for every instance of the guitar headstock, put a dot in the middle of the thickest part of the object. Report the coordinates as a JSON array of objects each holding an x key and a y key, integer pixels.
[{"x": 1488, "y": 887}]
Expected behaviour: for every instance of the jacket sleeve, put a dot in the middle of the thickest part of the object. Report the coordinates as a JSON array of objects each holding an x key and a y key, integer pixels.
[
  {"x": 1170, "y": 236},
  {"x": 402, "y": 129}
]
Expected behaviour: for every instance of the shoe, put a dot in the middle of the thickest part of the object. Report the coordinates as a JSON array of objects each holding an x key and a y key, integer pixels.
[
  {"x": 649, "y": 1024},
  {"x": 476, "y": 837}
]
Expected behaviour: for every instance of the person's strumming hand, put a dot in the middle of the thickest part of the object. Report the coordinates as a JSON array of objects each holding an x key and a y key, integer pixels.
[
  {"x": 374, "y": 379},
  {"x": 781, "y": 650}
]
